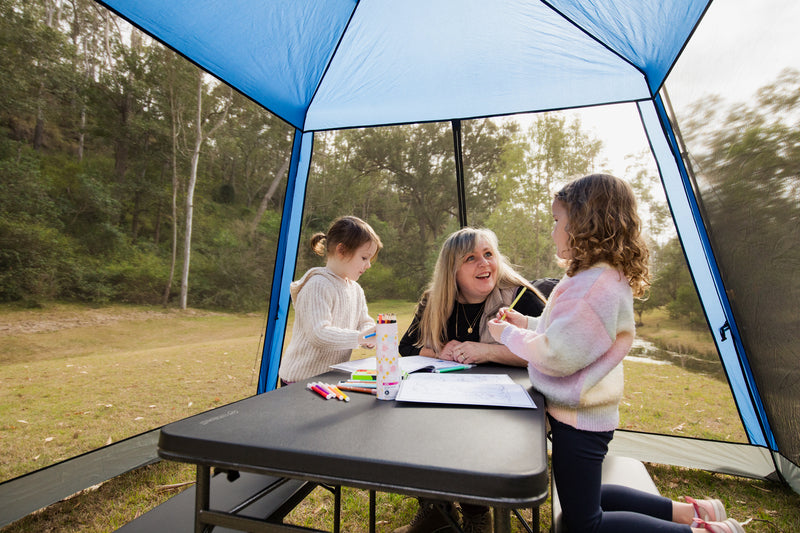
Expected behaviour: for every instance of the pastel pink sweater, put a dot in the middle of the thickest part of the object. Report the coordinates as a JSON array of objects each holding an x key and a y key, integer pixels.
[{"x": 576, "y": 347}]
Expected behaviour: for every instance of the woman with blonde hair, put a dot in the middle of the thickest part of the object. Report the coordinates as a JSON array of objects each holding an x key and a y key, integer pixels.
[{"x": 472, "y": 280}]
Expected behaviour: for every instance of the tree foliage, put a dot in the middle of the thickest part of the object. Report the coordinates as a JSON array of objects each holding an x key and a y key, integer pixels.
[{"x": 122, "y": 163}]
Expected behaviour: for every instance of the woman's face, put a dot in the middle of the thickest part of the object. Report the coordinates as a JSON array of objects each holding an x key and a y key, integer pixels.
[
  {"x": 477, "y": 274},
  {"x": 559, "y": 234}
]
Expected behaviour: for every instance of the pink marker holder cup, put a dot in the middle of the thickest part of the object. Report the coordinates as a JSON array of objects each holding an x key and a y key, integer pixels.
[{"x": 388, "y": 360}]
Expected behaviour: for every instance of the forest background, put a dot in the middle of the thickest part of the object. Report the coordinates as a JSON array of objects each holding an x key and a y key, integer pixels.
[{"x": 128, "y": 176}]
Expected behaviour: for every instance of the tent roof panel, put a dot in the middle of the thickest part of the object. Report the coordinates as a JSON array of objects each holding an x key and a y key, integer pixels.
[
  {"x": 417, "y": 61},
  {"x": 274, "y": 52},
  {"x": 648, "y": 33}
]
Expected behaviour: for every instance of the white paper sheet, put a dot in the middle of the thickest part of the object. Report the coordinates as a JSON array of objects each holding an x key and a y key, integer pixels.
[{"x": 465, "y": 389}]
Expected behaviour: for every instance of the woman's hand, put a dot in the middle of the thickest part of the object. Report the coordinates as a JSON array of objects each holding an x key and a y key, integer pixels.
[
  {"x": 449, "y": 351},
  {"x": 468, "y": 353},
  {"x": 474, "y": 353}
]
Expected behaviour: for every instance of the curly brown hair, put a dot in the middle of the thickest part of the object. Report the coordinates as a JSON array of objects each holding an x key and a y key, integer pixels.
[{"x": 604, "y": 226}]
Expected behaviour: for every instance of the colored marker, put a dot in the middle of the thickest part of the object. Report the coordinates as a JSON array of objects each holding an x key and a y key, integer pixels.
[
  {"x": 452, "y": 368},
  {"x": 331, "y": 388},
  {"x": 325, "y": 387},
  {"x": 358, "y": 389},
  {"x": 514, "y": 302},
  {"x": 320, "y": 391},
  {"x": 342, "y": 396},
  {"x": 359, "y": 383},
  {"x": 370, "y": 335}
]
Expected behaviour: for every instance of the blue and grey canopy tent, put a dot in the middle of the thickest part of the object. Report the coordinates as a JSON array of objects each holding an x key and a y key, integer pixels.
[{"x": 334, "y": 64}]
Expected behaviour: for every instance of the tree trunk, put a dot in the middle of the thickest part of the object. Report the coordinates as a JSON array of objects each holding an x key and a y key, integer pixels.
[
  {"x": 262, "y": 208},
  {"x": 199, "y": 140}
]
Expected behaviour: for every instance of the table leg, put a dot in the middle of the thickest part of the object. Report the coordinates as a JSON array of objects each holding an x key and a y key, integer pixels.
[
  {"x": 337, "y": 510},
  {"x": 201, "y": 495},
  {"x": 502, "y": 520},
  {"x": 372, "y": 511}
]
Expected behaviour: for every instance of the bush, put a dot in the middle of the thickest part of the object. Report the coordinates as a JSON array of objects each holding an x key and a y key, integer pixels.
[
  {"x": 140, "y": 279},
  {"x": 233, "y": 270},
  {"x": 687, "y": 305},
  {"x": 33, "y": 260}
]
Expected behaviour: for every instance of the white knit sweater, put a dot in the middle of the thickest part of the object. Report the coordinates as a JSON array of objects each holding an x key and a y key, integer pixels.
[{"x": 330, "y": 315}]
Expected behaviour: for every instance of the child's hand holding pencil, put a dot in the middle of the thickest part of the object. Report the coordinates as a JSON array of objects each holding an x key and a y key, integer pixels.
[
  {"x": 510, "y": 307},
  {"x": 505, "y": 316},
  {"x": 367, "y": 339}
]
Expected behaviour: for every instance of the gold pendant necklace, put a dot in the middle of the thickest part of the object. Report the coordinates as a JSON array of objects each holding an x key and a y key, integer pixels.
[{"x": 470, "y": 325}]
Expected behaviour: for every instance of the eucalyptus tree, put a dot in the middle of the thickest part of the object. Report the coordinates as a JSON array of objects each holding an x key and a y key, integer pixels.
[
  {"x": 403, "y": 179},
  {"x": 548, "y": 153},
  {"x": 211, "y": 112}
]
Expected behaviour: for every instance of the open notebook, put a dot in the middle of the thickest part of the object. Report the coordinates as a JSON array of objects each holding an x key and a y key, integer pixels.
[{"x": 408, "y": 364}]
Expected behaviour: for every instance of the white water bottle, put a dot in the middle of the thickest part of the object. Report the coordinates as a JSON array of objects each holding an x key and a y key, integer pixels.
[{"x": 388, "y": 358}]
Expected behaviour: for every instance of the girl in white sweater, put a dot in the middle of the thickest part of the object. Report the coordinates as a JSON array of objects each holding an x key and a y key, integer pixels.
[
  {"x": 574, "y": 352},
  {"x": 330, "y": 310}
]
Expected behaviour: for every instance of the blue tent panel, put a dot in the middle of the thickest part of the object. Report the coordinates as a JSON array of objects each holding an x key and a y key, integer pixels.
[
  {"x": 274, "y": 52},
  {"x": 648, "y": 33},
  {"x": 338, "y": 63},
  {"x": 285, "y": 259},
  {"x": 419, "y": 61},
  {"x": 704, "y": 271}
]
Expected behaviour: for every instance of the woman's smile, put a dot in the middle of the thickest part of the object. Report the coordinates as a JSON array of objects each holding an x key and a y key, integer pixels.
[{"x": 477, "y": 275}]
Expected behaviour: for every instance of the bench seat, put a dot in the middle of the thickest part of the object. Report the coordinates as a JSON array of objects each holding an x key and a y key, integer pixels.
[
  {"x": 176, "y": 515},
  {"x": 617, "y": 470}
]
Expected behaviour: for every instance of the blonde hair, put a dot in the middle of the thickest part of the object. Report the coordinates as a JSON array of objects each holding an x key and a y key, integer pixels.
[
  {"x": 442, "y": 293},
  {"x": 604, "y": 226},
  {"x": 351, "y": 232}
]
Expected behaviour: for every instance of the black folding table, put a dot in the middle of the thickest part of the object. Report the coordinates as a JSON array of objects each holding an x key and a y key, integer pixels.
[{"x": 492, "y": 456}]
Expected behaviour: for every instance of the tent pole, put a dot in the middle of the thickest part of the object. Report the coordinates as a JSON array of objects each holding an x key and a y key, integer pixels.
[
  {"x": 285, "y": 259},
  {"x": 695, "y": 240},
  {"x": 460, "y": 187}
]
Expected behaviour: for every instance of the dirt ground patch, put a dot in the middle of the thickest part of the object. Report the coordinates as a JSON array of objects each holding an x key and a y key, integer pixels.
[{"x": 58, "y": 317}]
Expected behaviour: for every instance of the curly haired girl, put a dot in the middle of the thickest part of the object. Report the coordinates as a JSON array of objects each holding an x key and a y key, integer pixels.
[{"x": 574, "y": 352}]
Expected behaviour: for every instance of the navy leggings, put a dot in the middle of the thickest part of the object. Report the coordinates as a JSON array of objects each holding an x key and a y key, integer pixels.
[{"x": 588, "y": 507}]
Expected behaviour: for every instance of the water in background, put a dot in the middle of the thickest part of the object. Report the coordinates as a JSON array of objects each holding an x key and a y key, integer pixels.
[{"x": 645, "y": 351}]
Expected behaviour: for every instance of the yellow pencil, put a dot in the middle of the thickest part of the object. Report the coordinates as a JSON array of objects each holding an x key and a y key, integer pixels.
[{"x": 514, "y": 302}]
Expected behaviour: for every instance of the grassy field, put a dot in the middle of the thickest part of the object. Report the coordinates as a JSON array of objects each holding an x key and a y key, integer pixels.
[{"x": 75, "y": 378}]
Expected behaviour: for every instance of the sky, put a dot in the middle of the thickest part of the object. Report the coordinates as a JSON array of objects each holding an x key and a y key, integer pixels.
[{"x": 739, "y": 46}]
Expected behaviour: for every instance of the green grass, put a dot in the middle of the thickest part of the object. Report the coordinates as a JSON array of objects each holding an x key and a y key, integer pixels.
[
  {"x": 76, "y": 378},
  {"x": 764, "y": 506}
]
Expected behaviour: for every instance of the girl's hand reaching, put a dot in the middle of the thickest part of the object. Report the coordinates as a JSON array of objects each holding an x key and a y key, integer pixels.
[
  {"x": 513, "y": 317},
  {"x": 496, "y": 328},
  {"x": 367, "y": 341},
  {"x": 506, "y": 317}
]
